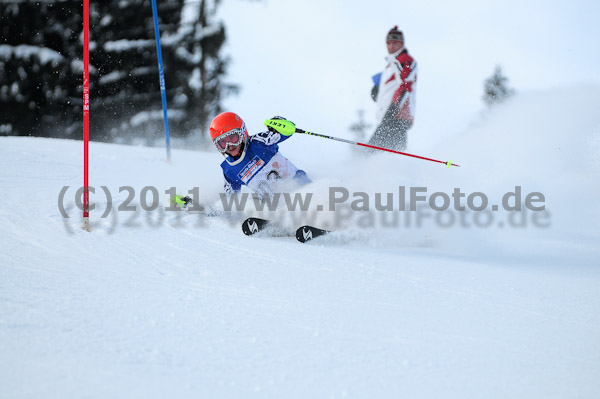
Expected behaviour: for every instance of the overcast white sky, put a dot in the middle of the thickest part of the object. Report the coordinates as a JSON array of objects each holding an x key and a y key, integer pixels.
[{"x": 312, "y": 60}]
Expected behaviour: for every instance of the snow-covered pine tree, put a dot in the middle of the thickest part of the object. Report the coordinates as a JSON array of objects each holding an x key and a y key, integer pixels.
[
  {"x": 41, "y": 68},
  {"x": 496, "y": 88},
  {"x": 200, "y": 93},
  {"x": 191, "y": 42}
]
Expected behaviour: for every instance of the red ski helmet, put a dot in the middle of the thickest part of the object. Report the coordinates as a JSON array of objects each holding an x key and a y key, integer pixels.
[{"x": 228, "y": 130}]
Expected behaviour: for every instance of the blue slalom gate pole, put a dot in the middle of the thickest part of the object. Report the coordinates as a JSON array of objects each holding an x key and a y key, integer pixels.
[{"x": 161, "y": 76}]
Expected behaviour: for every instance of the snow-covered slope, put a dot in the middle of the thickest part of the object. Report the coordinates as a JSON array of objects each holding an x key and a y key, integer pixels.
[{"x": 190, "y": 307}]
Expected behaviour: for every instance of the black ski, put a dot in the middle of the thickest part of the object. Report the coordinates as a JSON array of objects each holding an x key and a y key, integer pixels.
[
  {"x": 252, "y": 226},
  {"x": 307, "y": 233}
]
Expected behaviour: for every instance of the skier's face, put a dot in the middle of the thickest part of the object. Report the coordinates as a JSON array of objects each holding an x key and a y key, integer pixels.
[
  {"x": 234, "y": 151},
  {"x": 393, "y": 46}
]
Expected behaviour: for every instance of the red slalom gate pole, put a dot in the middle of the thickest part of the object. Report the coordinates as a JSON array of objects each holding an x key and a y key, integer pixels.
[
  {"x": 448, "y": 164},
  {"x": 86, "y": 113}
]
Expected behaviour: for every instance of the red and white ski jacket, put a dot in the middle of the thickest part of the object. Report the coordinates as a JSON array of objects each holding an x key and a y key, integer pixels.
[{"x": 397, "y": 86}]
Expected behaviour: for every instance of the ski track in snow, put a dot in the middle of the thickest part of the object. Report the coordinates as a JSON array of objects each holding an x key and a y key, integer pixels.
[{"x": 182, "y": 310}]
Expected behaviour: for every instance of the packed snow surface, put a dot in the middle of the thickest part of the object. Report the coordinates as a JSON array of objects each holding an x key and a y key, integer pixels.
[{"x": 156, "y": 304}]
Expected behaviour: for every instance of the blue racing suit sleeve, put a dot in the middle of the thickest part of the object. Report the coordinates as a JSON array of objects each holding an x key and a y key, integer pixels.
[
  {"x": 231, "y": 187},
  {"x": 269, "y": 138}
]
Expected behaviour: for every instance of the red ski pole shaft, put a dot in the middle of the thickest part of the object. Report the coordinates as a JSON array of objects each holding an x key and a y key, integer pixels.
[
  {"x": 375, "y": 147},
  {"x": 86, "y": 114}
]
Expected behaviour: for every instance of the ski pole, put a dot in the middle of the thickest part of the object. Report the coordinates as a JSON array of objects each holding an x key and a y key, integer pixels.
[
  {"x": 449, "y": 163},
  {"x": 286, "y": 127}
]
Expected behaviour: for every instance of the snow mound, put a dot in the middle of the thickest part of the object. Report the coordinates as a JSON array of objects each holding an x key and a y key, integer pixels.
[{"x": 157, "y": 303}]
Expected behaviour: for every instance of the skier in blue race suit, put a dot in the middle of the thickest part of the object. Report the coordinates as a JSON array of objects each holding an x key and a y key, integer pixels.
[{"x": 255, "y": 161}]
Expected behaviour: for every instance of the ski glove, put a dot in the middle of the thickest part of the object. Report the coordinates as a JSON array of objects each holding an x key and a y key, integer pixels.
[
  {"x": 182, "y": 201},
  {"x": 280, "y": 125}
]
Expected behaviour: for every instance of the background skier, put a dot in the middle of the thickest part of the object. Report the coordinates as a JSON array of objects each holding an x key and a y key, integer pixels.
[{"x": 394, "y": 94}]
